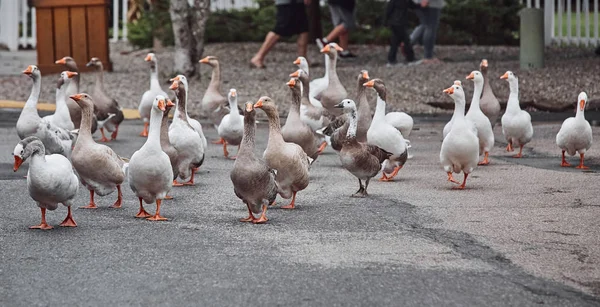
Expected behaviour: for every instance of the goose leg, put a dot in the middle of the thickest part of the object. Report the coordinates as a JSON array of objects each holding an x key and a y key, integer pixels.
[
  {"x": 451, "y": 179},
  {"x": 520, "y": 154},
  {"x": 157, "y": 216},
  {"x": 43, "y": 225},
  {"x": 191, "y": 181},
  {"x": 177, "y": 184},
  {"x": 235, "y": 157},
  {"x": 393, "y": 174},
  {"x": 263, "y": 216},
  {"x": 220, "y": 141},
  {"x": 292, "y": 205},
  {"x": 322, "y": 147},
  {"x": 366, "y": 185},
  {"x": 360, "y": 191},
  {"x": 581, "y": 166},
  {"x": 485, "y": 159},
  {"x": 68, "y": 221},
  {"x": 103, "y": 139},
  {"x": 509, "y": 147},
  {"x": 142, "y": 213},
  {"x": 113, "y": 136},
  {"x": 250, "y": 217},
  {"x": 462, "y": 186},
  {"x": 119, "y": 201},
  {"x": 384, "y": 177},
  {"x": 225, "y": 152},
  {"x": 92, "y": 204},
  {"x": 564, "y": 162},
  {"x": 145, "y": 131}
]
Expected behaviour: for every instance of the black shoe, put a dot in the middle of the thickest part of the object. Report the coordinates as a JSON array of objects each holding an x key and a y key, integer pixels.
[{"x": 346, "y": 54}]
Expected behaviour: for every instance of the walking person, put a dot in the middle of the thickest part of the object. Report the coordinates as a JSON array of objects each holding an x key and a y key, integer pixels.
[
  {"x": 425, "y": 34},
  {"x": 291, "y": 19},
  {"x": 396, "y": 18},
  {"x": 342, "y": 17}
]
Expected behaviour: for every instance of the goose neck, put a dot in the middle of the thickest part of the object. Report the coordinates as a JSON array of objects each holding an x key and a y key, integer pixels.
[
  {"x": 154, "y": 130},
  {"x": 35, "y": 92},
  {"x": 85, "y": 129},
  {"x": 215, "y": 80},
  {"x": 154, "y": 84},
  {"x": 476, "y": 95},
  {"x": 353, "y": 126},
  {"x": 249, "y": 133},
  {"x": 164, "y": 129},
  {"x": 380, "y": 109},
  {"x": 274, "y": 124},
  {"x": 459, "y": 108},
  {"x": 513, "y": 98}
]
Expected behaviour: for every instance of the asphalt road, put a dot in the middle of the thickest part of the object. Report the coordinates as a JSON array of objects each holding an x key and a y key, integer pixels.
[{"x": 524, "y": 233}]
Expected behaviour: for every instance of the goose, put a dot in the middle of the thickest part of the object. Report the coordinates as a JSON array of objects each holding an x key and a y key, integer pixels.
[
  {"x": 213, "y": 102},
  {"x": 489, "y": 103},
  {"x": 231, "y": 128},
  {"x": 575, "y": 134},
  {"x": 404, "y": 123},
  {"x": 145, "y": 106},
  {"x": 309, "y": 114},
  {"x": 516, "y": 123},
  {"x": 320, "y": 83},
  {"x": 55, "y": 139},
  {"x": 104, "y": 105},
  {"x": 149, "y": 173},
  {"x": 99, "y": 168},
  {"x": 448, "y": 125},
  {"x": 50, "y": 179},
  {"x": 165, "y": 143},
  {"x": 295, "y": 130},
  {"x": 385, "y": 136},
  {"x": 485, "y": 132},
  {"x": 362, "y": 160},
  {"x": 61, "y": 117},
  {"x": 460, "y": 148},
  {"x": 194, "y": 123},
  {"x": 288, "y": 159},
  {"x": 335, "y": 91},
  {"x": 253, "y": 180},
  {"x": 186, "y": 140}
]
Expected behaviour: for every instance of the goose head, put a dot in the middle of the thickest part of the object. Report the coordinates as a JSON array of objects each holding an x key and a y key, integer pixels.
[
  {"x": 582, "y": 99},
  {"x": 509, "y": 76},
  {"x": 456, "y": 92},
  {"x": 64, "y": 78},
  {"x": 151, "y": 57},
  {"x": 67, "y": 61},
  {"x": 483, "y": 66},
  {"x": 347, "y": 104},
  {"x": 161, "y": 102},
  {"x": 301, "y": 75},
  {"x": 331, "y": 49},
  {"x": 294, "y": 84},
  {"x": 83, "y": 100},
  {"x": 210, "y": 60},
  {"x": 25, "y": 148},
  {"x": 33, "y": 72},
  {"x": 302, "y": 63},
  {"x": 95, "y": 63},
  {"x": 378, "y": 85},
  {"x": 265, "y": 103},
  {"x": 476, "y": 76},
  {"x": 180, "y": 81},
  {"x": 363, "y": 77},
  {"x": 232, "y": 97}
]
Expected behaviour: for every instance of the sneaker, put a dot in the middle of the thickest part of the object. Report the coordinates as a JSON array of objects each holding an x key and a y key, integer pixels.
[
  {"x": 320, "y": 43},
  {"x": 390, "y": 65},
  {"x": 414, "y": 63},
  {"x": 347, "y": 54}
]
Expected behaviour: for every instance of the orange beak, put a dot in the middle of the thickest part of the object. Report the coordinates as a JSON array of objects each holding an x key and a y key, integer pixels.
[
  {"x": 291, "y": 83},
  {"x": 365, "y": 75},
  {"x": 582, "y": 105},
  {"x": 484, "y": 63},
  {"x": 249, "y": 106},
  {"x": 76, "y": 97},
  {"x": 449, "y": 90},
  {"x": 61, "y": 61},
  {"x": 471, "y": 76},
  {"x": 258, "y": 104},
  {"x": 175, "y": 85},
  {"x": 18, "y": 162},
  {"x": 369, "y": 84},
  {"x": 505, "y": 76},
  {"x": 148, "y": 58},
  {"x": 29, "y": 70},
  {"x": 295, "y": 74},
  {"x": 170, "y": 103},
  {"x": 205, "y": 60},
  {"x": 71, "y": 74},
  {"x": 297, "y": 61},
  {"x": 161, "y": 105},
  {"x": 233, "y": 93},
  {"x": 325, "y": 49},
  {"x": 174, "y": 79}
]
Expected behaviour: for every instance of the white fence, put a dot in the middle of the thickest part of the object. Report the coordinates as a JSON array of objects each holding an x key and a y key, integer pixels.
[{"x": 17, "y": 24}]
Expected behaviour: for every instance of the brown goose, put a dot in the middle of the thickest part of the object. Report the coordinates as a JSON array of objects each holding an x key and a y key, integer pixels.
[
  {"x": 335, "y": 91},
  {"x": 99, "y": 168},
  {"x": 213, "y": 102},
  {"x": 72, "y": 89},
  {"x": 295, "y": 130},
  {"x": 104, "y": 105},
  {"x": 253, "y": 181},
  {"x": 489, "y": 103},
  {"x": 288, "y": 159},
  {"x": 362, "y": 160}
]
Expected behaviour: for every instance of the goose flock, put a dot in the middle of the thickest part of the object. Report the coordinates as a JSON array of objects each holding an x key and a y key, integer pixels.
[{"x": 63, "y": 153}]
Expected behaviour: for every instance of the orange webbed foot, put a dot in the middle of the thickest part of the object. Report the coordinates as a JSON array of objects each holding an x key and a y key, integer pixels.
[
  {"x": 519, "y": 155},
  {"x": 581, "y": 166},
  {"x": 247, "y": 219},
  {"x": 91, "y": 205},
  {"x": 144, "y": 133},
  {"x": 68, "y": 221},
  {"x": 169, "y": 197},
  {"x": 143, "y": 214},
  {"x": 103, "y": 139},
  {"x": 460, "y": 187},
  {"x": 157, "y": 218},
  {"x": 260, "y": 220},
  {"x": 42, "y": 226},
  {"x": 565, "y": 164},
  {"x": 322, "y": 147},
  {"x": 177, "y": 184}
]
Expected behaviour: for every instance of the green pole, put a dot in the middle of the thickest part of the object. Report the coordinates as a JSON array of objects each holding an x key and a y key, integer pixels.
[{"x": 531, "y": 35}]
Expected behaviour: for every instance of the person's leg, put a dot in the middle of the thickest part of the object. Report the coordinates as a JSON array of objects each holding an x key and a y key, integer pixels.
[
  {"x": 432, "y": 17},
  {"x": 403, "y": 36},
  {"x": 269, "y": 42},
  {"x": 416, "y": 37},
  {"x": 394, "y": 42},
  {"x": 338, "y": 31},
  {"x": 302, "y": 43},
  {"x": 344, "y": 38}
]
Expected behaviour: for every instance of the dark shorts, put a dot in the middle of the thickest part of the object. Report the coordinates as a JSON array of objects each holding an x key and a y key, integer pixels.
[
  {"x": 291, "y": 19},
  {"x": 342, "y": 15}
]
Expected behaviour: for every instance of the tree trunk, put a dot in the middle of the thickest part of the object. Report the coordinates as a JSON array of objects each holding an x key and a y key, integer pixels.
[
  {"x": 189, "y": 22},
  {"x": 314, "y": 19}
]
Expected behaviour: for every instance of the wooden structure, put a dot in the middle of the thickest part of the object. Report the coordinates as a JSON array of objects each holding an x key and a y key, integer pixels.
[{"x": 76, "y": 28}]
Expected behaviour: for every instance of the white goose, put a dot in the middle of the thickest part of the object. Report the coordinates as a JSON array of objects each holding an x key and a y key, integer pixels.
[
  {"x": 145, "y": 106},
  {"x": 385, "y": 136},
  {"x": 460, "y": 148},
  {"x": 448, "y": 125},
  {"x": 55, "y": 139},
  {"x": 320, "y": 83},
  {"x": 194, "y": 123},
  {"x": 149, "y": 174},
  {"x": 50, "y": 179},
  {"x": 516, "y": 123},
  {"x": 485, "y": 132},
  {"x": 575, "y": 134},
  {"x": 61, "y": 117},
  {"x": 231, "y": 128}
]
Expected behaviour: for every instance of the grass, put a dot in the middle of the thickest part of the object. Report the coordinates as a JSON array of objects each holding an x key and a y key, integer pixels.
[{"x": 574, "y": 24}]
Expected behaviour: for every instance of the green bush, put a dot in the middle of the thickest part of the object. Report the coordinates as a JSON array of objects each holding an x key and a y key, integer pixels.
[{"x": 154, "y": 22}]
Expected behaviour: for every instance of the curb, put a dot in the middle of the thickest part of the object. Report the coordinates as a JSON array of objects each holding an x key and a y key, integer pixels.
[{"x": 44, "y": 106}]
